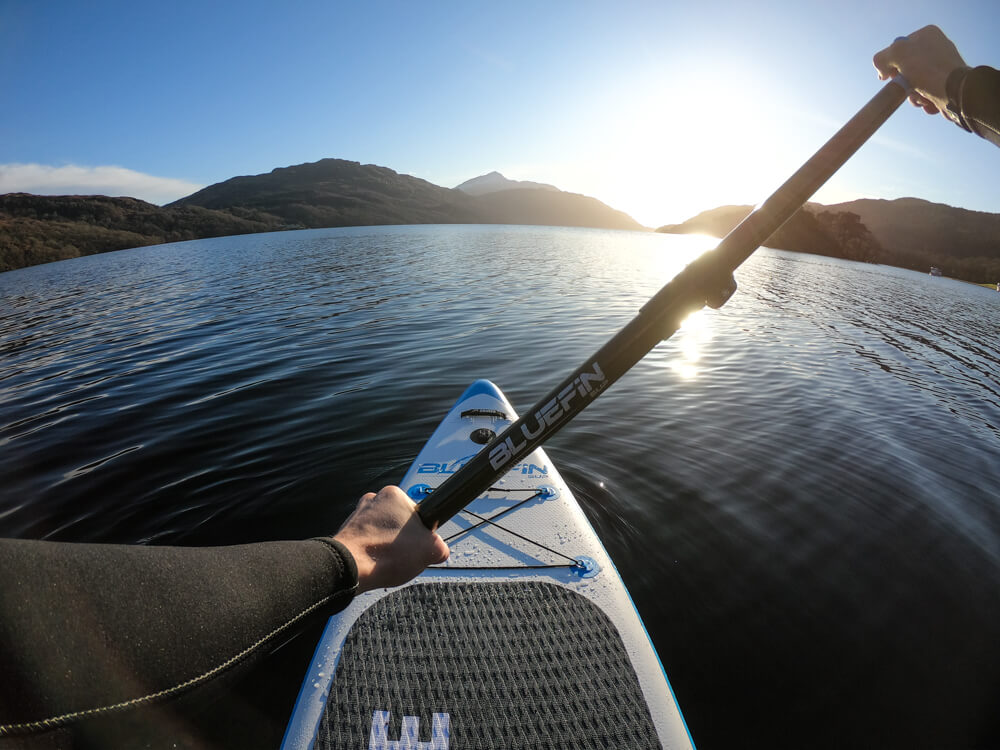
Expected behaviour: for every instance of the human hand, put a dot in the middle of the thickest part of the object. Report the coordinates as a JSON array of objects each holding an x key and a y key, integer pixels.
[
  {"x": 388, "y": 540},
  {"x": 925, "y": 58}
]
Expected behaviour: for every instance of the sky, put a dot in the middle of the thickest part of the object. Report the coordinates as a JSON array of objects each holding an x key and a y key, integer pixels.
[{"x": 660, "y": 109}]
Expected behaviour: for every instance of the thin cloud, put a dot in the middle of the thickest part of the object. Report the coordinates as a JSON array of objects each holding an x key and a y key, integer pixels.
[{"x": 71, "y": 179}]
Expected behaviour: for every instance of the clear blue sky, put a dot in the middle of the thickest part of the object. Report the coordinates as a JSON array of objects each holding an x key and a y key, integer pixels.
[{"x": 660, "y": 109}]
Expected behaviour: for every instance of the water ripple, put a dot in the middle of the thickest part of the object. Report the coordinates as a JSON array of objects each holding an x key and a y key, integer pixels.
[{"x": 800, "y": 488}]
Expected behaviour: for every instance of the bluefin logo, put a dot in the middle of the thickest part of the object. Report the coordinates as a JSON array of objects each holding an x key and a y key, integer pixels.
[
  {"x": 409, "y": 733},
  {"x": 586, "y": 385},
  {"x": 431, "y": 467},
  {"x": 445, "y": 468}
]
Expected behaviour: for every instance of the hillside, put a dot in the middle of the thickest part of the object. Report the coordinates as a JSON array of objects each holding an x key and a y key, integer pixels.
[
  {"x": 906, "y": 232},
  {"x": 40, "y": 229},
  {"x": 715, "y": 222},
  {"x": 549, "y": 208},
  {"x": 812, "y": 229},
  {"x": 912, "y": 225},
  {"x": 918, "y": 234}
]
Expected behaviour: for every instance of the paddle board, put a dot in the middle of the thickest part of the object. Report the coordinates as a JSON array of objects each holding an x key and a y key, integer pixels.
[{"x": 525, "y": 638}]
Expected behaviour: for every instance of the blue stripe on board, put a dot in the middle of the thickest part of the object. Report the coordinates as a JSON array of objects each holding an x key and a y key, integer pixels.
[{"x": 480, "y": 387}]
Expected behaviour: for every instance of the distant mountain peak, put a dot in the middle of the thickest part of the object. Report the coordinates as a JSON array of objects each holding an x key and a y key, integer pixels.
[{"x": 494, "y": 182}]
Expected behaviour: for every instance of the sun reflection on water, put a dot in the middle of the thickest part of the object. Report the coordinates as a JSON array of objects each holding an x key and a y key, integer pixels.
[{"x": 691, "y": 338}]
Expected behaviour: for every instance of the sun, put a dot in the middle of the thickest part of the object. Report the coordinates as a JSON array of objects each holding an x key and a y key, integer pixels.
[{"x": 697, "y": 143}]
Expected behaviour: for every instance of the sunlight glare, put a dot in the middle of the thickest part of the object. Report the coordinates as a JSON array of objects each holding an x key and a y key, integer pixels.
[
  {"x": 684, "y": 145},
  {"x": 684, "y": 370},
  {"x": 695, "y": 332},
  {"x": 681, "y": 250}
]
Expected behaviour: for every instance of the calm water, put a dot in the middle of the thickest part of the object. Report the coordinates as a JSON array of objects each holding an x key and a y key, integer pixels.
[{"x": 801, "y": 489}]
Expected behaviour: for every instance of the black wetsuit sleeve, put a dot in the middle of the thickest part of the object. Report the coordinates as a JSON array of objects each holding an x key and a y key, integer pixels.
[
  {"x": 89, "y": 629},
  {"x": 980, "y": 102}
]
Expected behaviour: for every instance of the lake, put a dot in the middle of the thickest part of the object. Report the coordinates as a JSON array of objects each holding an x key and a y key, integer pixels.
[{"x": 800, "y": 489}]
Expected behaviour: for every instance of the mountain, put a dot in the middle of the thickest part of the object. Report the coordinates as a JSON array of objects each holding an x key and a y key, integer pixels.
[
  {"x": 498, "y": 200},
  {"x": 549, "y": 208},
  {"x": 41, "y": 228},
  {"x": 328, "y": 193},
  {"x": 495, "y": 182},
  {"x": 335, "y": 192},
  {"x": 906, "y": 232}
]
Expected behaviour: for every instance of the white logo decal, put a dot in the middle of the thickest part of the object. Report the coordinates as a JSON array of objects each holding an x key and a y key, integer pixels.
[
  {"x": 584, "y": 385},
  {"x": 408, "y": 733}
]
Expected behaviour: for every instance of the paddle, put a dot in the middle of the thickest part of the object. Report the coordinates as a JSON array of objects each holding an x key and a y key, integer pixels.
[{"x": 706, "y": 281}]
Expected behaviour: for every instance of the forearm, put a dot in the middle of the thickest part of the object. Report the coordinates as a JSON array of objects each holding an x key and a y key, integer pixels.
[
  {"x": 977, "y": 99},
  {"x": 87, "y": 629}
]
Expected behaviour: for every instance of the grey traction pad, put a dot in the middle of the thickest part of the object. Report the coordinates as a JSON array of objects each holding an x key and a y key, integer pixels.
[{"x": 501, "y": 665}]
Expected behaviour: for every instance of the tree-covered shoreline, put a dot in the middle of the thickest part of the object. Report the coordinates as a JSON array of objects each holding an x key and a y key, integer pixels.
[
  {"x": 906, "y": 232},
  {"x": 41, "y": 229}
]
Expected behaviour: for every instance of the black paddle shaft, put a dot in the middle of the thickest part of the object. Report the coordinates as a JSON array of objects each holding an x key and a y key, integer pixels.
[{"x": 706, "y": 281}]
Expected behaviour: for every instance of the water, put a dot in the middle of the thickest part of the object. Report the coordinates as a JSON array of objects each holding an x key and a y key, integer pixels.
[{"x": 800, "y": 489}]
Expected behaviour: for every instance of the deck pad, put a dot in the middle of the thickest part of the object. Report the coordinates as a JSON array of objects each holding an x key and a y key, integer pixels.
[{"x": 485, "y": 665}]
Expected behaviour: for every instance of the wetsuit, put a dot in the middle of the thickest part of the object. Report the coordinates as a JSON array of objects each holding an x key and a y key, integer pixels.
[
  {"x": 974, "y": 101},
  {"x": 88, "y": 630}
]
